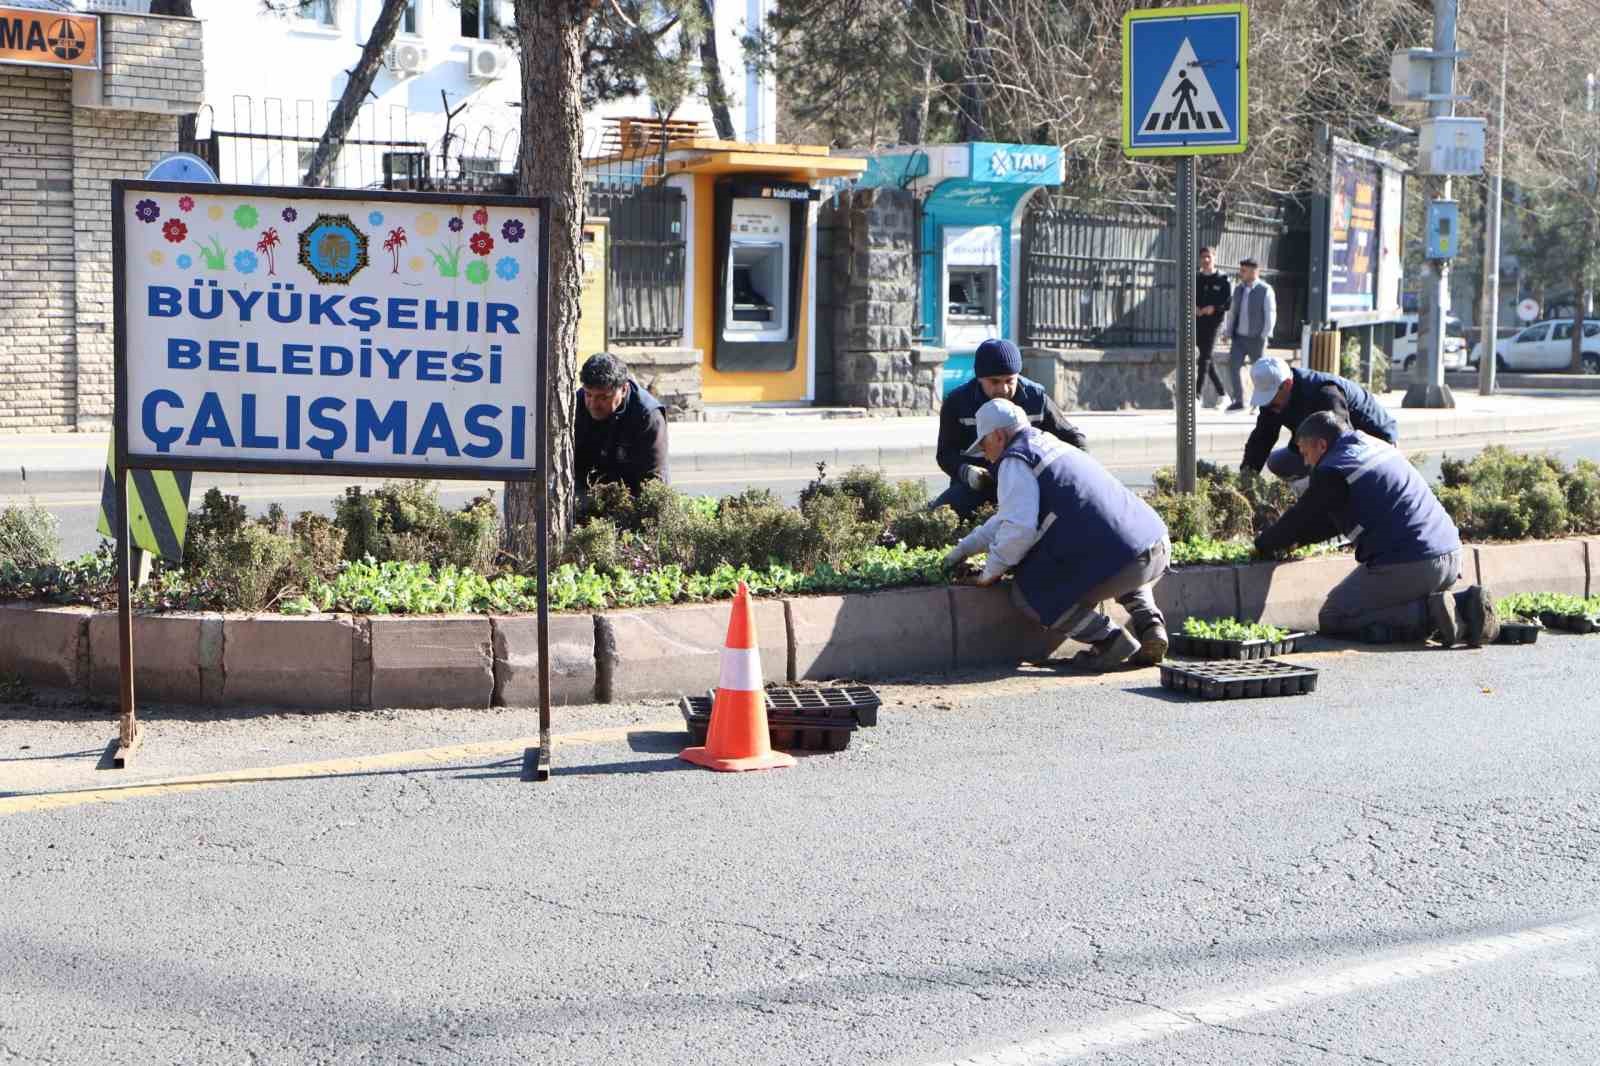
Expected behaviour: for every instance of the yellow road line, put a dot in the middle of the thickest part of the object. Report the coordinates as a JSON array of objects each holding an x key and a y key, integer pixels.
[{"x": 420, "y": 758}]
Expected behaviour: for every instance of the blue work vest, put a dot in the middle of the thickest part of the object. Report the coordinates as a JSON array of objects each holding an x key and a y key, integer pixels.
[
  {"x": 1392, "y": 516},
  {"x": 1090, "y": 525}
]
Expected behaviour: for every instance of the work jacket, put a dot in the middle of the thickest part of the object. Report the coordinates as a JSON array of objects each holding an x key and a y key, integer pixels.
[
  {"x": 1312, "y": 392},
  {"x": 630, "y": 446},
  {"x": 958, "y": 422}
]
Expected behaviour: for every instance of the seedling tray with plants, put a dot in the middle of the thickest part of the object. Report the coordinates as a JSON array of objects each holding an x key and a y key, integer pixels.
[
  {"x": 1229, "y": 638},
  {"x": 1571, "y": 614},
  {"x": 1238, "y": 680},
  {"x": 799, "y": 719}
]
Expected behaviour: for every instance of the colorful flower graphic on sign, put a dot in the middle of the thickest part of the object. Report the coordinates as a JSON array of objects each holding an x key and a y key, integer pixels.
[
  {"x": 186, "y": 204},
  {"x": 513, "y": 230},
  {"x": 508, "y": 269},
  {"x": 147, "y": 210},
  {"x": 245, "y": 262},
  {"x": 246, "y": 217},
  {"x": 477, "y": 272},
  {"x": 448, "y": 262},
  {"x": 333, "y": 250},
  {"x": 157, "y": 258},
  {"x": 375, "y": 218},
  {"x": 174, "y": 230},
  {"x": 397, "y": 238},
  {"x": 184, "y": 261},
  {"x": 456, "y": 224},
  {"x": 214, "y": 212},
  {"x": 215, "y": 255},
  {"x": 481, "y": 216},
  {"x": 290, "y": 214},
  {"x": 427, "y": 223},
  {"x": 482, "y": 243},
  {"x": 416, "y": 263},
  {"x": 268, "y": 245}
]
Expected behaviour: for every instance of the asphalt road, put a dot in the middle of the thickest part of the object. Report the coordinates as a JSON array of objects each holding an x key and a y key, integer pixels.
[
  {"x": 77, "y": 512},
  {"x": 1403, "y": 867}
]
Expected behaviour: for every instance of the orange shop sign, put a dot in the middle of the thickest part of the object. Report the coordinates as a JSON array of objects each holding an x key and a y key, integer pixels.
[{"x": 49, "y": 38}]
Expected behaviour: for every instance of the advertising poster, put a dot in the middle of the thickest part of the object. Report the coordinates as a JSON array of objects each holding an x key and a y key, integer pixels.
[
  {"x": 275, "y": 328},
  {"x": 1354, "y": 249}
]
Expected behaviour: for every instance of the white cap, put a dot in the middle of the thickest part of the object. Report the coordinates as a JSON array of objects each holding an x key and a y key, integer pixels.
[
  {"x": 1267, "y": 375},
  {"x": 996, "y": 414}
]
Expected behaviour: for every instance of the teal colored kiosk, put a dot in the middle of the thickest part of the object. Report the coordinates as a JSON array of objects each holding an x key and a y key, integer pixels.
[{"x": 973, "y": 197}]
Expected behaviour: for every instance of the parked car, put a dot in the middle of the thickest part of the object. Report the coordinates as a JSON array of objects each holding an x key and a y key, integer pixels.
[
  {"x": 1405, "y": 342},
  {"x": 1544, "y": 345}
]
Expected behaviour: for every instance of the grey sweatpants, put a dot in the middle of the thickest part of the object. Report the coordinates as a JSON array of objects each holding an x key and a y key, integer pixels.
[
  {"x": 1242, "y": 352},
  {"x": 1393, "y": 595},
  {"x": 1129, "y": 586}
]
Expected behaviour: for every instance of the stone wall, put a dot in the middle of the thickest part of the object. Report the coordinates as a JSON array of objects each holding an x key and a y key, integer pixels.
[
  {"x": 1105, "y": 379},
  {"x": 876, "y": 361},
  {"x": 67, "y": 135},
  {"x": 671, "y": 375}
]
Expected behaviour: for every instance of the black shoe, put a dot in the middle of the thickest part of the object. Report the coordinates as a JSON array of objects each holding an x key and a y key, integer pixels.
[
  {"x": 1108, "y": 654},
  {"x": 1480, "y": 624},
  {"x": 1232, "y": 407},
  {"x": 1442, "y": 617},
  {"x": 1152, "y": 646}
]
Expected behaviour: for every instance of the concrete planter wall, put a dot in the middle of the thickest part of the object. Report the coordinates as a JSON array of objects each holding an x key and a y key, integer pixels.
[{"x": 337, "y": 662}]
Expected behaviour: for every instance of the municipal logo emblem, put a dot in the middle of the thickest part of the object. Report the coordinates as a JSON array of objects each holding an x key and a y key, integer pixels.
[{"x": 333, "y": 250}]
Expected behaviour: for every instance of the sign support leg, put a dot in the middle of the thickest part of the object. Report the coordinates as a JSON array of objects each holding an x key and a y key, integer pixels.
[
  {"x": 1187, "y": 268},
  {"x": 128, "y": 727}
]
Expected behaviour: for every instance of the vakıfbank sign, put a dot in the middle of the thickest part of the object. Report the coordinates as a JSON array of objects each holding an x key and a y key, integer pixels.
[
  {"x": 282, "y": 329},
  {"x": 49, "y": 38}
]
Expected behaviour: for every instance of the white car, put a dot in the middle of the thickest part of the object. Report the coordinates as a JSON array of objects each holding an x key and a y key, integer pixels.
[
  {"x": 1405, "y": 343},
  {"x": 1544, "y": 346}
]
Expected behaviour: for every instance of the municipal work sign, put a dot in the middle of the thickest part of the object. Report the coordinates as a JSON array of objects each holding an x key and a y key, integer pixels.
[
  {"x": 323, "y": 331},
  {"x": 39, "y": 38},
  {"x": 1185, "y": 85}
]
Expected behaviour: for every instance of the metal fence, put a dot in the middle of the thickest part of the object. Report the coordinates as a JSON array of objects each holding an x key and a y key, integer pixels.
[
  {"x": 648, "y": 259},
  {"x": 1107, "y": 276}
]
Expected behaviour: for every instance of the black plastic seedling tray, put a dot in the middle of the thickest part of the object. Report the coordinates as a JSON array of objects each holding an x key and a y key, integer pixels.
[
  {"x": 1241, "y": 680},
  {"x": 860, "y": 700},
  {"x": 799, "y": 719},
  {"x": 1212, "y": 648},
  {"x": 1519, "y": 632},
  {"x": 1570, "y": 623}
]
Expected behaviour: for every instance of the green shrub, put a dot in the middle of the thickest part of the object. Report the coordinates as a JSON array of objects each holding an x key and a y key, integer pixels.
[
  {"x": 596, "y": 544},
  {"x": 218, "y": 518},
  {"x": 1350, "y": 364},
  {"x": 249, "y": 570},
  {"x": 28, "y": 537},
  {"x": 939, "y": 528},
  {"x": 1186, "y": 515},
  {"x": 404, "y": 521},
  {"x": 319, "y": 547}
]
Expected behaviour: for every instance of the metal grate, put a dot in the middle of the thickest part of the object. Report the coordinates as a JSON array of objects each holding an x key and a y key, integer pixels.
[{"x": 648, "y": 258}]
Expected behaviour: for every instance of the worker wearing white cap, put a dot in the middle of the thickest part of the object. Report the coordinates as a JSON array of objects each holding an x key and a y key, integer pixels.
[
  {"x": 1286, "y": 396},
  {"x": 1073, "y": 536}
]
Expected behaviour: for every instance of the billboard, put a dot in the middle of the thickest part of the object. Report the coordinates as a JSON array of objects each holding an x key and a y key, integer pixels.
[
  {"x": 321, "y": 331},
  {"x": 1356, "y": 230}
]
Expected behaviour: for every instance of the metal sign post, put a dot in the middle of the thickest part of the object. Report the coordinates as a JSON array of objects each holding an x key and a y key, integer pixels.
[
  {"x": 279, "y": 330},
  {"x": 1185, "y": 92}
]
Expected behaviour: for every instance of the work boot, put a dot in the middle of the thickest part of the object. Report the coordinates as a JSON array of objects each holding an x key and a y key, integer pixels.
[
  {"x": 1108, "y": 654},
  {"x": 1442, "y": 617},
  {"x": 1480, "y": 624},
  {"x": 1152, "y": 645}
]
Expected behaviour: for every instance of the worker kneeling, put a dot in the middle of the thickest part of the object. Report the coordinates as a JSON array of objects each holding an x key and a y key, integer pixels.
[
  {"x": 1074, "y": 535},
  {"x": 1408, "y": 548}
]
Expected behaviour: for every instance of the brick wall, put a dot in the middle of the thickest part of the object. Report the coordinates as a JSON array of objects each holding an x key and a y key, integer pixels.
[{"x": 151, "y": 64}]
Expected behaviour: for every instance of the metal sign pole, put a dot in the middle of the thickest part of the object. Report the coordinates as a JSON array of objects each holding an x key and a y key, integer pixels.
[
  {"x": 536, "y": 761},
  {"x": 128, "y": 723},
  {"x": 1187, "y": 268}
]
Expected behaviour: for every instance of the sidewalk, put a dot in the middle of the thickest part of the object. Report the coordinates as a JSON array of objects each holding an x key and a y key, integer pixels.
[{"x": 795, "y": 443}]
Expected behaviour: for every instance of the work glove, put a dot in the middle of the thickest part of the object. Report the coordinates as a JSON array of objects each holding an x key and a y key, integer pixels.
[
  {"x": 954, "y": 556},
  {"x": 977, "y": 478}
]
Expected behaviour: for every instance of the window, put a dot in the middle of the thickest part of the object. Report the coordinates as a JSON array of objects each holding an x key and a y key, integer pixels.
[
  {"x": 408, "y": 21},
  {"x": 478, "y": 19},
  {"x": 479, "y": 167},
  {"x": 1563, "y": 332},
  {"x": 971, "y": 294},
  {"x": 1591, "y": 329},
  {"x": 322, "y": 12},
  {"x": 1533, "y": 333}
]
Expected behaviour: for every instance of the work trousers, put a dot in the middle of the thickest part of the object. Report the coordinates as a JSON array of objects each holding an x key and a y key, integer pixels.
[
  {"x": 1394, "y": 595},
  {"x": 1205, "y": 341},
  {"x": 1244, "y": 351},
  {"x": 1131, "y": 587}
]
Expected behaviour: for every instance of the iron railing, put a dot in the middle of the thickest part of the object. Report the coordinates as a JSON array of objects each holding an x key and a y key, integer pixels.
[{"x": 648, "y": 258}]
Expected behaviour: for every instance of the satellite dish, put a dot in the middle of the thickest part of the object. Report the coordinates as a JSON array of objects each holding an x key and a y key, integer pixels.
[{"x": 181, "y": 166}]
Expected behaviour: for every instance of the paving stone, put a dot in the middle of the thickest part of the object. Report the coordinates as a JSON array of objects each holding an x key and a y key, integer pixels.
[
  {"x": 168, "y": 657},
  {"x": 445, "y": 661},
  {"x": 278, "y": 661},
  {"x": 1537, "y": 566},
  {"x": 869, "y": 636},
  {"x": 675, "y": 651},
  {"x": 516, "y": 659},
  {"x": 49, "y": 646},
  {"x": 990, "y": 631}
]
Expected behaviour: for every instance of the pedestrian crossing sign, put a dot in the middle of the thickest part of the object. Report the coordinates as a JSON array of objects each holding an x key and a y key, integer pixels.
[{"x": 1185, "y": 89}]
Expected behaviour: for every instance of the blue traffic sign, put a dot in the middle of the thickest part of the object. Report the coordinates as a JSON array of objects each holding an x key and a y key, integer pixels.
[
  {"x": 181, "y": 166},
  {"x": 1185, "y": 85}
]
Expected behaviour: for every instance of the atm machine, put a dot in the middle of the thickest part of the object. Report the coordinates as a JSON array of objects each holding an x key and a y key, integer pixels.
[{"x": 761, "y": 235}]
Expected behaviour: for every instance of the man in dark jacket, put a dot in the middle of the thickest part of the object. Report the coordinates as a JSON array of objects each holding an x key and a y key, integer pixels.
[
  {"x": 1286, "y": 396},
  {"x": 1408, "y": 548},
  {"x": 997, "y": 368},
  {"x": 1212, "y": 298},
  {"x": 620, "y": 431}
]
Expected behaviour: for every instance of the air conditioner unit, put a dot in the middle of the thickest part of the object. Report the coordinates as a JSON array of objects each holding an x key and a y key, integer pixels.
[
  {"x": 487, "y": 62},
  {"x": 404, "y": 59}
]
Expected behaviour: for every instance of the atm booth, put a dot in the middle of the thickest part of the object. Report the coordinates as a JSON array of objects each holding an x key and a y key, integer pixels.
[
  {"x": 973, "y": 197},
  {"x": 749, "y": 294}
]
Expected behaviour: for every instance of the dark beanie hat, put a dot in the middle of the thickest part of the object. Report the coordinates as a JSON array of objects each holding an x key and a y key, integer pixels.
[{"x": 996, "y": 357}]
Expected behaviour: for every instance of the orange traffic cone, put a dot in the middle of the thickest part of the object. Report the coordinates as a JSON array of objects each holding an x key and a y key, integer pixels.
[{"x": 737, "y": 738}]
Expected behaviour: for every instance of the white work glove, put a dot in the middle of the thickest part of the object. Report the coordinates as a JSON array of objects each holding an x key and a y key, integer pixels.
[
  {"x": 954, "y": 556},
  {"x": 977, "y": 478}
]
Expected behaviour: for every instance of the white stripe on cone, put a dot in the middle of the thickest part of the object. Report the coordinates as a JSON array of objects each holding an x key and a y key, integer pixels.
[{"x": 741, "y": 670}]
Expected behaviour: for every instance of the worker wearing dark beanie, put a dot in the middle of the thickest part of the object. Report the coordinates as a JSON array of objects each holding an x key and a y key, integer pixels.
[{"x": 997, "y": 375}]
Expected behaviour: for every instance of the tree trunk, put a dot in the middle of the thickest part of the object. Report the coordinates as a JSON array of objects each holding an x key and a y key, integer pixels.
[
  {"x": 1575, "y": 364},
  {"x": 550, "y": 34},
  {"x": 711, "y": 71},
  {"x": 972, "y": 123},
  {"x": 914, "y": 112},
  {"x": 355, "y": 93}
]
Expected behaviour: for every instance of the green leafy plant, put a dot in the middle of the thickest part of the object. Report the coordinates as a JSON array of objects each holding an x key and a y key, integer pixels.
[
  {"x": 1529, "y": 606},
  {"x": 1231, "y": 629}
]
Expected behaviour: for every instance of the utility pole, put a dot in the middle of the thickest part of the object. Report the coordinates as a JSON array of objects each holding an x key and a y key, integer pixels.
[
  {"x": 1490, "y": 312},
  {"x": 1432, "y": 391}
]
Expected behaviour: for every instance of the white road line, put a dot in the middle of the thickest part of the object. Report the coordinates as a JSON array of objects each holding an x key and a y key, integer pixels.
[{"x": 1166, "y": 1022}]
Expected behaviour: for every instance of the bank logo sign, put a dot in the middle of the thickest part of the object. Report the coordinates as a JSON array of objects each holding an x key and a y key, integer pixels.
[
  {"x": 36, "y": 38},
  {"x": 288, "y": 327},
  {"x": 1019, "y": 164}
]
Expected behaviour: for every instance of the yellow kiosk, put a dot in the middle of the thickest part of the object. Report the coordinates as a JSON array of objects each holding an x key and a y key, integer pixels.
[{"x": 750, "y": 229}]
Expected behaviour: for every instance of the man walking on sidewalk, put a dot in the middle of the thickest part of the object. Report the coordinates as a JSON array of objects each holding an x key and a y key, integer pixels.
[
  {"x": 1074, "y": 536},
  {"x": 1251, "y": 318},
  {"x": 1408, "y": 548},
  {"x": 1212, "y": 298}
]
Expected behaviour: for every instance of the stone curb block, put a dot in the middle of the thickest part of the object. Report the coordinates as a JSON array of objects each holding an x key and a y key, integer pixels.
[
  {"x": 47, "y": 645},
  {"x": 990, "y": 631},
  {"x": 1193, "y": 592},
  {"x": 516, "y": 659},
  {"x": 432, "y": 662},
  {"x": 673, "y": 651},
  {"x": 1289, "y": 594},
  {"x": 255, "y": 651},
  {"x": 1545, "y": 566},
  {"x": 874, "y": 635},
  {"x": 177, "y": 657}
]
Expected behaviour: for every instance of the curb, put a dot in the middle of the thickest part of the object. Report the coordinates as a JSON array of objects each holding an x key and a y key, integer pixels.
[{"x": 346, "y": 663}]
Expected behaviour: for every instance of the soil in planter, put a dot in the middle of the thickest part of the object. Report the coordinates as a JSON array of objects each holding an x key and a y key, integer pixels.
[{"x": 1238, "y": 680}]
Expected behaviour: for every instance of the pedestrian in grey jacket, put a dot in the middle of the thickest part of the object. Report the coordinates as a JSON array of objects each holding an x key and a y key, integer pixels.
[{"x": 1252, "y": 314}]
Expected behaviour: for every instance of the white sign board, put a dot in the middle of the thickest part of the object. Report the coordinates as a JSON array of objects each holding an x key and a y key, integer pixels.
[
  {"x": 268, "y": 327},
  {"x": 1528, "y": 310},
  {"x": 1450, "y": 146}
]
